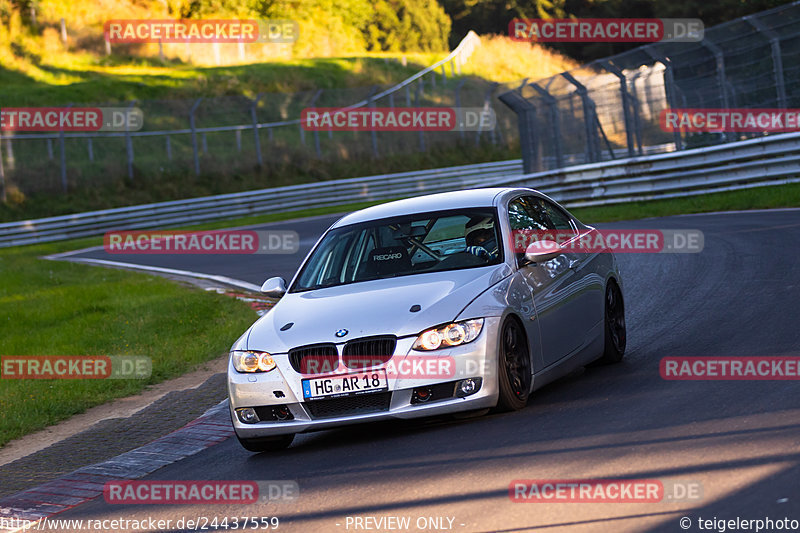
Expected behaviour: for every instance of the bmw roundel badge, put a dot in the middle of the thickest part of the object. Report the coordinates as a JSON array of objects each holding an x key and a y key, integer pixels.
[{"x": 341, "y": 333}]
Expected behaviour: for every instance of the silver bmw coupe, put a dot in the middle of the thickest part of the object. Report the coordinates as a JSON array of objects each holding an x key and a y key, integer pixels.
[{"x": 433, "y": 305}]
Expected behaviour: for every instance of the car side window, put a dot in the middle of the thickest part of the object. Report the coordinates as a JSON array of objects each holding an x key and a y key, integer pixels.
[
  {"x": 557, "y": 218},
  {"x": 523, "y": 216}
]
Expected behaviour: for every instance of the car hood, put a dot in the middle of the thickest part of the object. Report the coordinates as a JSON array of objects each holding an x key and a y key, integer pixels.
[{"x": 377, "y": 307}]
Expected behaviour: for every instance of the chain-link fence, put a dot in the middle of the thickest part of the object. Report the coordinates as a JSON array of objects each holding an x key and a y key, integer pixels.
[
  {"x": 611, "y": 107},
  {"x": 237, "y": 134}
]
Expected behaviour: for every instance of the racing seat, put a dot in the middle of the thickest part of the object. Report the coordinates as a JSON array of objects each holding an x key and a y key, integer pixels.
[{"x": 385, "y": 262}]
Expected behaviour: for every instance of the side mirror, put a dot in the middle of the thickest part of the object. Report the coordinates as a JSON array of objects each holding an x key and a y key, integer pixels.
[
  {"x": 274, "y": 287},
  {"x": 541, "y": 251}
]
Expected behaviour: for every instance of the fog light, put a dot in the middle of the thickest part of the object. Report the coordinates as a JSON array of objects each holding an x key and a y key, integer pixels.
[
  {"x": 281, "y": 413},
  {"x": 247, "y": 415},
  {"x": 421, "y": 395},
  {"x": 467, "y": 387}
]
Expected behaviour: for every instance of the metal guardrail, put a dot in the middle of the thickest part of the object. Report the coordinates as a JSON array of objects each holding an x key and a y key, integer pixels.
[
  {"x": 234, "y": 205},
  {"x": 745, "y": 164}
]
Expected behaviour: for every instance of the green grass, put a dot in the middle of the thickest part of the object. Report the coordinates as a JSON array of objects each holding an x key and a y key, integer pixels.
[
  {"x": 768, "y": 197},
  {"x": 60, "y": 308},
  {"x": 140, "y": 80}
]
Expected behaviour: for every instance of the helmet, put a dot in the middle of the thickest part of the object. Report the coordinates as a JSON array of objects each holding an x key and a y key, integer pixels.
[{"x": 478, "y": 231}]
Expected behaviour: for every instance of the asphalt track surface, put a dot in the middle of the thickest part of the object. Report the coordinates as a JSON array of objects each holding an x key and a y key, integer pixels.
[{"x": 740, "y": 440}]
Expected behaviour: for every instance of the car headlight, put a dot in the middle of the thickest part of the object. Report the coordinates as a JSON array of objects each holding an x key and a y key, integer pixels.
[
  {"x": 250, "y": 361},
  {"x": 453, "y": 334}
]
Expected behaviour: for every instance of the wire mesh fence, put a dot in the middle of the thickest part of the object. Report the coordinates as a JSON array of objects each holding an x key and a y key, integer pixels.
[
  {"x": 237, "y": 134},
  {"x": 611, "y": 107}
]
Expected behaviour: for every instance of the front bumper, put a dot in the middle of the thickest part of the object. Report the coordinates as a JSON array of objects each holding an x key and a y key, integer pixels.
[{"x": 283, "y": 386}]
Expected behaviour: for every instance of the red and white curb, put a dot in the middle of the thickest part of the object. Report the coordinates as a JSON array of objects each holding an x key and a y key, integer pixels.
[{"x": 87, "y": 483}]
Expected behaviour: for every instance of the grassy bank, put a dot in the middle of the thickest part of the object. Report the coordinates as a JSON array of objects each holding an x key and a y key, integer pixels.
[{"x": 58, "y": 308}]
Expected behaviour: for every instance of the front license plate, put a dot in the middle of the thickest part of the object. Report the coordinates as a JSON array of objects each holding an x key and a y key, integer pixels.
[{"x": 346, "y": 385}]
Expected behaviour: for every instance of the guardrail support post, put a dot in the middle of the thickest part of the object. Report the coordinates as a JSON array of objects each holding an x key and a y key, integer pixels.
[
  {"x": 169, "y": 149},
  {"x": 90, "y": 148},
  {"x": 526, "y": 118},
  {"x": 256, "y": 138},
  {"x": 194, "y": 136},
  {"x": 555, "y": 121},
  {"x": 777, "y": 60},
  {"x": 49, "y": 148}
]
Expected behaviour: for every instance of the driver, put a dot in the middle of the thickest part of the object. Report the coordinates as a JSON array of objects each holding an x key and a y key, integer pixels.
[{"x": 480, "y": 238}]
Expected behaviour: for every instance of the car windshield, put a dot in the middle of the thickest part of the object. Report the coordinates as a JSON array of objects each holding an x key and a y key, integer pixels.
[{"x": 426, "y": 242}]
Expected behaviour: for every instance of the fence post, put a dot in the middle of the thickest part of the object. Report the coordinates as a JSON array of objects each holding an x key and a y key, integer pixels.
[
  {"x": 417, "y": 98},
  {"x": 555, "y": 120},
  {"x": 10, "y": 154},
  {"x": 486, "y": 99},
  {"x": 458, "y": 104},
  {"x": 592, "y": 149},
  {"x": 526, "y": 119},
  {"x": 777, "y": 60},
  {"x": 238, "y": 140},
  {"x": 637, "y": 122},
  {"x": 129, "y": 143},
  {"x": 169, "y": 149},
  {"x": 194, "y": 136},
  {"x": 256, "y": 137},
  {"x": 373, "y": 133},
  {"x": 626, "y": 113},
  {"x": 2, "y": 177},
  {"x": 63, "y": 156},
  {"x": 669, "y": 88},
  {"x": 317, "y": 147}
]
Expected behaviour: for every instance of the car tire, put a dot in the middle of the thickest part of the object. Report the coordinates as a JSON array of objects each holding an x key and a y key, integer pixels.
[
  {"x": 267, "y": 444},
  {"x": 513, "y": 367},
  {"x": 614, "y": 331}
]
